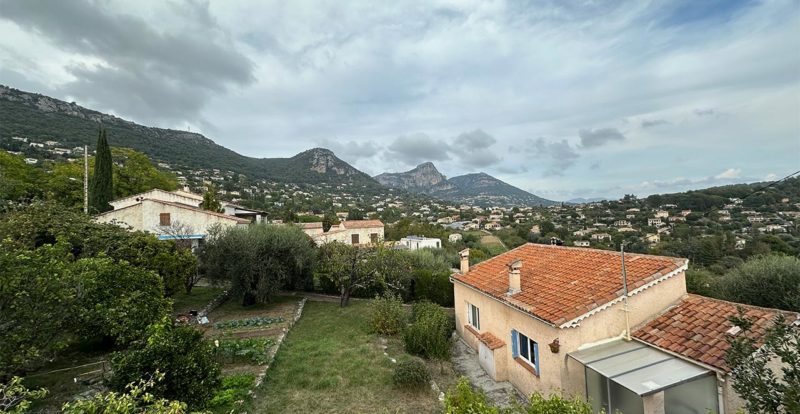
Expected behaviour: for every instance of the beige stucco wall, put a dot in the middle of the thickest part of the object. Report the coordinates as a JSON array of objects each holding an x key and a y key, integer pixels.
[
  {"x": 145, "y": 217},
  {"x": 155, "y": 195},
  {"x": 345, "y": 236},
  {"x": 557, "y": 373}
]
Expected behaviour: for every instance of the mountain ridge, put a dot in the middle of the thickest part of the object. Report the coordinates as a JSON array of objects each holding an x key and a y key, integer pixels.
[{"x": 478, "y": 188}]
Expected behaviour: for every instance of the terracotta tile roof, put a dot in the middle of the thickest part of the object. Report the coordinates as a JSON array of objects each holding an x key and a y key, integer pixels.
[
  {"x": 697, "y": 328},
  {"x": 361, "y": 224},
  {"x": 491, "y": 341},
  {"x": 560, "y": 284}
]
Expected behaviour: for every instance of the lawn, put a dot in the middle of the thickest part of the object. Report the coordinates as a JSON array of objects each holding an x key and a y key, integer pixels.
[
  {"x": 198, "y": 299},
  {"x": 331, "y": 363}
]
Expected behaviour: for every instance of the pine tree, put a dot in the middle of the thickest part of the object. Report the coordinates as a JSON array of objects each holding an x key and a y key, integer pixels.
[
  {"x": 101, "y": 188},
  {"x": 210, "y": 200}
]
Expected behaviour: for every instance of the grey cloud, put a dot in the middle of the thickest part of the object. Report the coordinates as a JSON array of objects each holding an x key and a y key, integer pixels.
[
  {"x": 556, "y": 155},
  {"x": 472, "y": 148},
  {"x": 649, "y": 123},
  {"x": 598, "y": 137},
  {"x": 704, "y": 112},
  {"x": 350, "y": 151},
  {"x": 416, "y": 148},
  {"x": 595, "y": 166},
  {"x": 145, "y": 72}
]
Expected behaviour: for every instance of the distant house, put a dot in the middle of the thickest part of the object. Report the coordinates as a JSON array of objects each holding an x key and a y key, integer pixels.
[
  {"x": 652, "y": 238},
  {"x": 255, "y": 216},
  {"x": 312, "y": 229},
  {"x": 622, "y": 223},
  {"x": 419, "y": 242},
  {"x": 353, "y": 232},
  {"x": 454, "y": 237},
  {"x": 493, "y": 226},
  {"x": 654, "y": 222},
  {"x": 581, "y": 243},
  {"x": 601, "y": 236},
  {"x": 172, "y": 215}
]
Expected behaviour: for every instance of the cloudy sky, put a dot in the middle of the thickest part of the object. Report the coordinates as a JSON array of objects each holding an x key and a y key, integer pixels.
[{"x": 561, "y": 98}]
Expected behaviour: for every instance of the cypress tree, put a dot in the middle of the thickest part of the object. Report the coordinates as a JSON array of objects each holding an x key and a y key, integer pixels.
[{"x": 101, "y": 188}]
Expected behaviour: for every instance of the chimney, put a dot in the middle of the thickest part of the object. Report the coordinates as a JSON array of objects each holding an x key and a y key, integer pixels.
[
  {"x": 464, "y": 255},
  {"x": 513, "y": 277}
]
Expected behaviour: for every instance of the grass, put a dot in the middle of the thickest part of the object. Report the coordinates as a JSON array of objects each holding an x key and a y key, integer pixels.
[
  {"x": 331, "y": 363},
  {"x": 198, "y": 299}
]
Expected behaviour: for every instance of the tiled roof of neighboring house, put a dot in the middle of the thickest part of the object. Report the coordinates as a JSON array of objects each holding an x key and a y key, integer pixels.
[
  {"x": 183, "y": 206},
  {"x": 315, "y": 225},
  {"x": 697, "y": 328},
  {"x": 361, "y": 224},
  {"x": 187, "y": 194},
  {"x": 561, "y": 285}
]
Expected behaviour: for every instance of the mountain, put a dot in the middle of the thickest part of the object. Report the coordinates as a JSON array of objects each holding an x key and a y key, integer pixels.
[
  {"x": 421, "y": 178},
  {"x": 41, "y": 118},
  {"x": 479, "y": 188},
  {"x": 582, "y": 200}
]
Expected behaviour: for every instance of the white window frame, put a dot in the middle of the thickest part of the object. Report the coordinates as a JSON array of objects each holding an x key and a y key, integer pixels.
[
  {"x": 474, "y": 319},
  {"x": 529, "y": 346}
]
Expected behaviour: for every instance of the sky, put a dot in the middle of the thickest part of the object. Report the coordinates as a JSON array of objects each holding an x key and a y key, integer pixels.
[{"x": 564, "y": 99}]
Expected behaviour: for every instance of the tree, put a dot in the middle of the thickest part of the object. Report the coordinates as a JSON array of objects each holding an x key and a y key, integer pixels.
[
  {"x": 210, "y": 200},
  {"x": 355, "y": 214},
  {"x": 101, "y": 188},
  {"x": 134, "y": 400},
  {"x": 181, "y": 234},
  {"x": 15, "y": 398},
  {"x": 259, "y": 259},
  {"x": 763, "y": 389},
  {"x": 134, "y": 173},
  {"x": 37, "y": 296},
  {"x": 117, "y": 301},
  {"x": 328, "y": 220},
  {"x": 767, "y": 281},
  {"x": 355, "y": 267},
  {"x": 191, "y": 374},
  {"x": 18, "y": 181}
]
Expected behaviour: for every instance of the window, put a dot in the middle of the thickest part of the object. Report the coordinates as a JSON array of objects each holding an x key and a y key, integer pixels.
[
  {"x": 354, "y": 239},
  {"x": 526, "y": 349},
  {"x": 164, "y": 219},
  {"x": 474, "y": 316},
  {"x": 373, "y": 237}
]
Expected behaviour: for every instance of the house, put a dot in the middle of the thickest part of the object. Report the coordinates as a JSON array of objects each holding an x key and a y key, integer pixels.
[
  {"x": 452, "y": 238},
  {"x": 559, "y": 319},
  {"x": 172, "y": 215},
  {"x": 352, "y": 232},
  {"x": 419, "y": 242},
  {"x": 525, "y": 310},
  {"x": 312, "y": 229},
  {"x": 662, "y": 214},
  {"x": 601, "y": 236},
  {"x": 581, "y": 243},
  {"x": 652, "y": 238},
  {"x": 255, "y": 216},
  {"x": 493, "y": 226},
  {"x": 622, "y": 223},
  {"x": 654, "y": 222}
]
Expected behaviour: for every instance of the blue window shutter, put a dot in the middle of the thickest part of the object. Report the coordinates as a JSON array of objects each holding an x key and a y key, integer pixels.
[
  {"x": 514, "y": 344},
  {"x": 536, "y": 355}
]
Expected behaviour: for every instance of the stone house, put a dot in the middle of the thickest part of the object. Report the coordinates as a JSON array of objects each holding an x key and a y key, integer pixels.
[{"x": 352, "y": 232}]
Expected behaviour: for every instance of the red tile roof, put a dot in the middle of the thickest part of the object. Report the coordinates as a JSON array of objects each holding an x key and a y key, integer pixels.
[
  {"x": 697, "y": 328},
  {"x": 492, "y": 342},
  {"x": 560, "y": 284},
  {"x": 361, "y": 224}
]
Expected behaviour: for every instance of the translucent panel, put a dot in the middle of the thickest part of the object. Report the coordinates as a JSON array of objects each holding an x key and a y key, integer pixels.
[
  {"x": 624, "y": 400},
  {"x": 597, "y": 390},
  {"x": 694, "y": 397}
]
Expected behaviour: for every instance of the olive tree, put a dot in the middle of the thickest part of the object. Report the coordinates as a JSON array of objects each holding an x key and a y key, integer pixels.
[{"x": 257, "y": 260}]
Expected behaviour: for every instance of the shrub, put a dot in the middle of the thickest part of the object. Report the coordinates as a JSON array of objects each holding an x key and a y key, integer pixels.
[
  {"x": 388, "y": 315},
  {"x": 234, "y": 388},
  {"x": 136, "y": 399},
  {"x": 429, "y": 335},
  {"x": 190, "y": 372},
  {"x": 768, "y": 281},
  {"x": 434, "y": 286},
  {"x": 411, "y": 373},
  {"x": 253, "y": 350},
  {"x": 539, "y": 404},
  {"x": 462, "y": 399}
]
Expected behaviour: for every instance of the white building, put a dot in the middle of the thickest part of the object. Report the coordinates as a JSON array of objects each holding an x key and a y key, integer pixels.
[
  {"x": 581, "y": 243},
  {"x": 654, "y": 222},
  {"x": 454, "y": 237},
  {"x": 419, "y": 242}
]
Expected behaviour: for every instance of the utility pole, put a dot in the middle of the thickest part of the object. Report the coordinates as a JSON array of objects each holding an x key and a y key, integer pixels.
[{"x": 86, "y": 179}]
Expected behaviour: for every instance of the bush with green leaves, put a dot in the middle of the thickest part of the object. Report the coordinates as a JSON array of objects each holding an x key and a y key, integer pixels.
[
  {"x": 462, "y": 399},
  {"x": 37, "y": 300},
  {"x": 234, "y": 388},
  {"x": 117, "y": 300},
  {"x": 540, "y": 404},
  {"x": 388, "y": 315},
  {"x": 191, "y": 373},
  {"x": 248, "y": 322},
  {"x": 411, "y": 373},
  {"x": 135, "y": 398},
  {"x": 767, "y": 281},
  {"x": 15, "y": 398},
  {"x": 429, "y": 334},
  {"x": 253, "y": 350}
]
